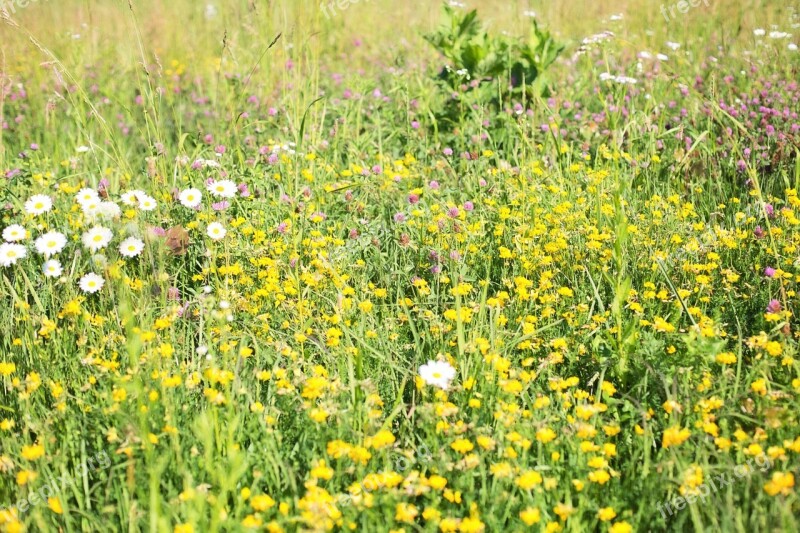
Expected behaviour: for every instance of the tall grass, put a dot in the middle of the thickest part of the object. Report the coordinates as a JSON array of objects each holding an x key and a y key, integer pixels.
[{"x": 611, "y": 274}]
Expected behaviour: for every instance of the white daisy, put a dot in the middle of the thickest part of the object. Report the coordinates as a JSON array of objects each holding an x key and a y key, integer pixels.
[
  {"x": 131, "y": 198},
  {"x": 109, "y": 210},
  {"x": 147, "y": 203},
  {"x": 91, "y": 283},
  {"x": 52, "y": 268},
  {"x": 437, "y": 373},
  {"x": 87, "y": 195},
  {"x": 97, "y": 238},
  {"x": 190, "y": 198},
  {"x": 222, "y": 188},
  {"x": 14, "y": 233},
  {"x": 216, "y": 231},
  {"x": 38, "y": 204},
  {"x": 50, "y": 243},
  {"x": 10, "y": 253},
  {"x": 91, "y": 208},
  {"x": 131, "y": 247}
]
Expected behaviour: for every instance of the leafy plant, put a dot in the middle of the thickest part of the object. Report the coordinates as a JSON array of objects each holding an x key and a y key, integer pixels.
[{"x": 488, "y": 71}]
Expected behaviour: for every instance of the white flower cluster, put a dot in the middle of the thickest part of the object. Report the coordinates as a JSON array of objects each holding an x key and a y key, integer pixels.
[{"x": 623, "y": 80}]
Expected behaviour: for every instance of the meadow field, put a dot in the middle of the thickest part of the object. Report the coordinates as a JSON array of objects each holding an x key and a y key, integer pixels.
[{"x": 384, "y": 266}]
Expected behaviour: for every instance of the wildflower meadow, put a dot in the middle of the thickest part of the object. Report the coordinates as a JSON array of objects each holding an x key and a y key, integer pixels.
[{"x": 474, "y": 266}]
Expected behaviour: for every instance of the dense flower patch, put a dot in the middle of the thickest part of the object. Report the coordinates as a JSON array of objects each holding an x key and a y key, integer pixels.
[{"x": 340, "y": 320}]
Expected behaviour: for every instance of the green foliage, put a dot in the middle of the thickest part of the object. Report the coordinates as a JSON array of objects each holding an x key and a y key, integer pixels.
[
  {"x": 488, "y": 71},
  {"x": 594, "y": 278}
]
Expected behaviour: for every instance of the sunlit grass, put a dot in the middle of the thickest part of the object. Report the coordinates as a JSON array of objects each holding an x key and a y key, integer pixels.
[{"x": 248, "y": 280}]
